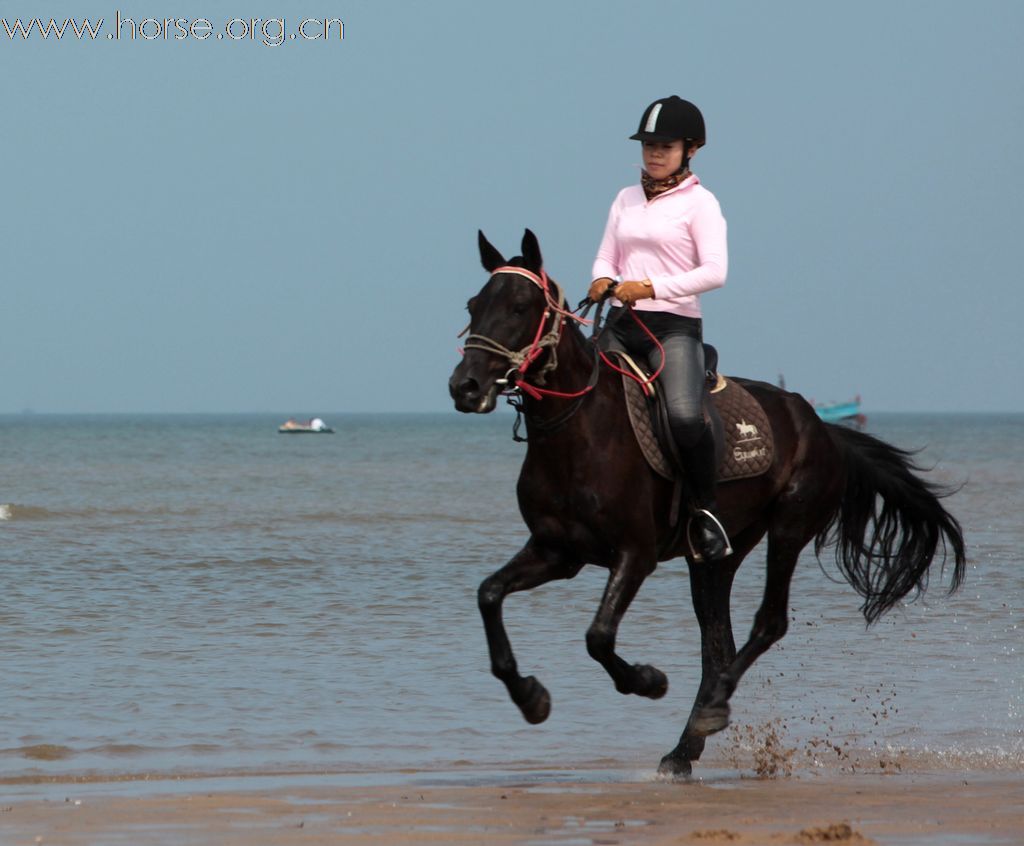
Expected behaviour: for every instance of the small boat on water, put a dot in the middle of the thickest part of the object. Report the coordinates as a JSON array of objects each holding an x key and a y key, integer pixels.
[
  {"x": 841, "y": 412},
  {"x": 314, "y": 426},
  {"x": 835, "y": 412}
]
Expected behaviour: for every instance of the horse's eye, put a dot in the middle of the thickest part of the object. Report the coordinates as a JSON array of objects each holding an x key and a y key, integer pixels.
[{"x": 470, "y": 304}]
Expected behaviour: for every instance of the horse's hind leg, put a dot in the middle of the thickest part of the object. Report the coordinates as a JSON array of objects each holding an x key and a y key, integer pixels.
[
  {"x": 800, "y": 512},
  {"x": 710, "y": 588},
  {"x": 531, "y": 567},
  {"x": 770, "y": 624},
  {"x": 627, "y": 574}
]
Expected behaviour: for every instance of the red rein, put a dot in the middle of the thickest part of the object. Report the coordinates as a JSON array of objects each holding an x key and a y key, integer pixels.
[{"x": 535, "y": 349}]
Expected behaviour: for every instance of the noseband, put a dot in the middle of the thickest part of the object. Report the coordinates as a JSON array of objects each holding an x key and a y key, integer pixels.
[{"x": 546, "y": 337}]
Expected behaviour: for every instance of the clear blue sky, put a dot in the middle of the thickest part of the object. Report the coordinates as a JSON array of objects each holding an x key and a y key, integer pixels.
[{"x": 219, "y": 225}]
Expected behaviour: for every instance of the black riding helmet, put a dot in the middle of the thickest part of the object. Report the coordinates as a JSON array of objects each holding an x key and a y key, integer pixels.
[{"x": 671, "y": 119}]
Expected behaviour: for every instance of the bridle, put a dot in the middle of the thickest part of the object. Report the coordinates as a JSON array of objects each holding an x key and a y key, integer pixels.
[
  {"x": 556, "y": 312},
  {"x": 547, "y": 337}
]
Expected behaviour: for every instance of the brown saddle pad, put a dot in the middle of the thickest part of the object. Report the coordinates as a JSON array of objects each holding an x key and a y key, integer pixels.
[{"x": 749, "y": 446}]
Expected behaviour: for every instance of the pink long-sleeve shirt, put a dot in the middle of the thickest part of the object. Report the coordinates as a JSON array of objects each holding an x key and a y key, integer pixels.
[{"x": 677, "y": 240}]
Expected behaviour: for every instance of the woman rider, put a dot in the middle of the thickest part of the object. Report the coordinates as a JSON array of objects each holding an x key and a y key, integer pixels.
[{"x": 664, "y": 246}]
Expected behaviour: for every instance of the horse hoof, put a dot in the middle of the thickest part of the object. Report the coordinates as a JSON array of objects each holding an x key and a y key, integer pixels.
[
  {"x": 650, "y": 681},
  {"x": 709, "y": 720},
  {"x": 672, "y": 767},
  {"x": 536, "y": 701}
]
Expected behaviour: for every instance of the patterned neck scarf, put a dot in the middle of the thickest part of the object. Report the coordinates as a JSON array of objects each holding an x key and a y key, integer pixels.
[{"x": 653, "y": 187}]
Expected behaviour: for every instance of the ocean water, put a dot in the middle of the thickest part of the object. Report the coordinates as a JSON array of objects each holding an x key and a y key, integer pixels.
[{"x": 198, "y": 595}]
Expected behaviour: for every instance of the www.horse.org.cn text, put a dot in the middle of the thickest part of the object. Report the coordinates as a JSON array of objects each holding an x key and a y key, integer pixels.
[{"x": 271, "y": 32}]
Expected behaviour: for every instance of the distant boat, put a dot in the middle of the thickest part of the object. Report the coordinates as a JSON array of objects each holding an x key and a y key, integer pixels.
[
  {"x": 835, "y": 412},
  {"x": 841, "y": 412},
  {"x": 315, "y": 426}
]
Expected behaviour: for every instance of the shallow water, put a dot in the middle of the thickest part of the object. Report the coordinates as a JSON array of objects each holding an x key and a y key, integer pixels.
[{"x": 201, "y": 595}]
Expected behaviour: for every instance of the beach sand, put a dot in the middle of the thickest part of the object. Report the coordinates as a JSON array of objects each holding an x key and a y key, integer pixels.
[{"x": 938, "y": 808}]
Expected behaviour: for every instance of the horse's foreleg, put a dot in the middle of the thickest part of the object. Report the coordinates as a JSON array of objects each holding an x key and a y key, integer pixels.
[
  {"x": 710, "y": 588},
  {"x": 627, "y": 574},
  {"x": 528, "y": 569}
]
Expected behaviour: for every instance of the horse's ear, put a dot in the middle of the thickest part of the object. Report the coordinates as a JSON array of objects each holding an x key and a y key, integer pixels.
[
  {"x": 531, "y": 252},
  {"x": 490, "y": 258}
]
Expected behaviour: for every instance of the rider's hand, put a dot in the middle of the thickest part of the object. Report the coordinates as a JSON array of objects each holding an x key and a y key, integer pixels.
[
  {"x": 598, "y": 288},
  {"x": 628, "y": 293}
]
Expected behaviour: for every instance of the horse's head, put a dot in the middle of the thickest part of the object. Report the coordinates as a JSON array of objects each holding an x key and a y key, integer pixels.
[{"x": 507, "y": 319}]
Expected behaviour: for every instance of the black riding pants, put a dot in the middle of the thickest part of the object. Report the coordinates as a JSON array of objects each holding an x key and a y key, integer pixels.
[{"x": 682, "y": 379}]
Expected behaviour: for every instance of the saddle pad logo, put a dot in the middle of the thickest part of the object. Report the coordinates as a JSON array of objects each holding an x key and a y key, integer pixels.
[{"x": 749, "y": 444}]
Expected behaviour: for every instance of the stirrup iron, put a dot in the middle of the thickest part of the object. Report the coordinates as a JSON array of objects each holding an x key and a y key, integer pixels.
[{"x": 689, "y": 534}]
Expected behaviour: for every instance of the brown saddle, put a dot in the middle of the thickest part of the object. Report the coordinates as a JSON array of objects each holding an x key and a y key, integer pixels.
[{"x": 749, "y": 446}]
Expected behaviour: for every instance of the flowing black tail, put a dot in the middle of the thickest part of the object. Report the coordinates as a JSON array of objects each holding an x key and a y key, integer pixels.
[{"x": 889, "y": 525}]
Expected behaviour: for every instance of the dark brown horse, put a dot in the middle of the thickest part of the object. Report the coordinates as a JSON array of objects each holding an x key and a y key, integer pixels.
[{"x": 589, "y": 497}]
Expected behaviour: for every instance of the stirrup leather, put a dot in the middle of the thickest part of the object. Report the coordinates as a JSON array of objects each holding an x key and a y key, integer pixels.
[{"x": 689, "y": 535}]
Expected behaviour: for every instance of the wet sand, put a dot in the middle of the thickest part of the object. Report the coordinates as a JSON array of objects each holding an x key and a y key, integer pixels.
[{"x": 943, "y": 808}]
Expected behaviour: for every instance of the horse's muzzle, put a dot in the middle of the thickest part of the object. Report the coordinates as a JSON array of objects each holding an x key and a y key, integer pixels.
[{"x": 469, "y": 397}]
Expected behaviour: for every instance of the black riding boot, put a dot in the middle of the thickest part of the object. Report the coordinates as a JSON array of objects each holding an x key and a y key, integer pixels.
[{"x": 707, "y": 537}]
